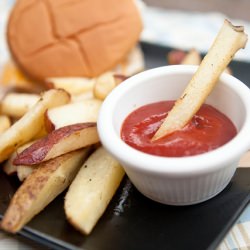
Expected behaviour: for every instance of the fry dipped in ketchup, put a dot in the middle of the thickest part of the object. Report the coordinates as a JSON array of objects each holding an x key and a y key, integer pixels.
[{"x": 208, "y": 130}]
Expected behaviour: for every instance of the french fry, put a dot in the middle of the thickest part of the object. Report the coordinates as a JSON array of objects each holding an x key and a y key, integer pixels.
[
  {"x": 5, "y": 123},
  {"x": 228, "y": 41},
  {"x": 59, "y": 142},
  {"x": 31, "y": 123},
  {"x": 17, "y": 104},
  {"x": 72, "y": 113},
  {"x": 92, "y": 189},
  {"x": 40, "y": 188},
  {"x": 73, "y": 85}
]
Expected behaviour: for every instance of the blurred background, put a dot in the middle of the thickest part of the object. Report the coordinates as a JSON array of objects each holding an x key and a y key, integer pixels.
[
  {"x": 238, "y": 9},
  {"x": 191, "y": 24}
]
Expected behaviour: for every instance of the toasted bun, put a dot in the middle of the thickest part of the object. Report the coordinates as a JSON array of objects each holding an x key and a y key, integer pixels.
[{"x": 54, "y": 38}]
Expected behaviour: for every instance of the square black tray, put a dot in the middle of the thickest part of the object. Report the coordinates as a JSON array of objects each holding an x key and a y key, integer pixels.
[{"x": 135, "y": 222}]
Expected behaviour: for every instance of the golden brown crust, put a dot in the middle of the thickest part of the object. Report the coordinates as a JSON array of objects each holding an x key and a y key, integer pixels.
[{"x": 40, "y": 188}]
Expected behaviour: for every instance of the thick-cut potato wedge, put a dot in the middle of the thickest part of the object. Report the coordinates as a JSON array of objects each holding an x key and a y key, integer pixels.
[
  {"x": 5, "y": 123},
  {"x": 40, "y": 188},
  {"x": 17, "y": 104},
  {"x": 59, "y": 142},
  {"x": 31, "y": 123},
  {"x": 73, "y": 85},
  {"x": 92, "y": 189},
  {"x": 79, "y": 112},
  {"x": 229, "y": 40},
  {"x": 9, "y": 168}
]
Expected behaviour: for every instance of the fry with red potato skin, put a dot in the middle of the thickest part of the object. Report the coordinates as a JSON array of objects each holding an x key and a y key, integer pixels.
[
  {"x": 175, "y": 57},
  {"x": 59, "y": 142},
  {"x": 41, "y": 187},
  {"x": 192, "y": 57},
  {"x": 228, "y": 41},
  {"x": 92, "y": 189},
  {"x": 26, "y": 128},
  {"x": 105, "y": 83}
]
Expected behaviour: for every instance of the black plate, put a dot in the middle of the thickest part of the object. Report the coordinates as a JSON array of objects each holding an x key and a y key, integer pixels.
[{"x": 135, "y": 222}]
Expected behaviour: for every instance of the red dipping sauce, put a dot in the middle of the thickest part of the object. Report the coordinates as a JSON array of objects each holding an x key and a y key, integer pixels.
[{"x": 208, "y": 130}]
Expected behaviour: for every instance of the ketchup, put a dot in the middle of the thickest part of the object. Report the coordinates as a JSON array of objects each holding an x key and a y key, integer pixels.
[{"x": 208, "y": 130}]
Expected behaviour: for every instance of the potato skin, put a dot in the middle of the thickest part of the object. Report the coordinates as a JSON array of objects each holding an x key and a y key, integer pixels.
[{"x": 38, "y": 151}]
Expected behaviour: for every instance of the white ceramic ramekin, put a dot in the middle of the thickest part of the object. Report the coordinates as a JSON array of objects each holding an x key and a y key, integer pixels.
[{"x": 176, "y": 180}]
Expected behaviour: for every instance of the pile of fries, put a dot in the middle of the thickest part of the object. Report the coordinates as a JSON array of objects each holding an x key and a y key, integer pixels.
[{"x": 50, "y": 142}]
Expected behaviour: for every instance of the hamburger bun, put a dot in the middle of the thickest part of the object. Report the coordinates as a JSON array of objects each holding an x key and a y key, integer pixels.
[{"x": 55, "y": 38}]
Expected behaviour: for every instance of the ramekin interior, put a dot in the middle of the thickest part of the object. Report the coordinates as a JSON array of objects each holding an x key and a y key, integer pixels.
[{"x": 230, "y": 96}]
